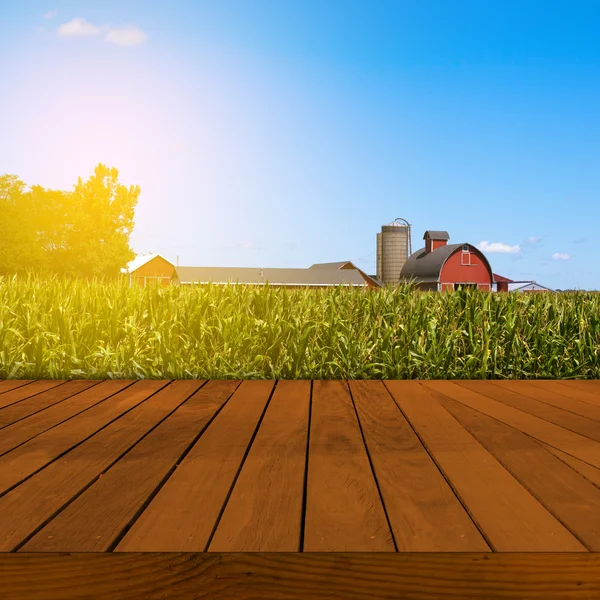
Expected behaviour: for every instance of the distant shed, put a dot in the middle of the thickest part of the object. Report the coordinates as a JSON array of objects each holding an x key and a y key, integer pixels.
[
  {"x": 501, "y": 282},
  {"x": 151, "y": 267},
  {"x": 531, "y": 286}
]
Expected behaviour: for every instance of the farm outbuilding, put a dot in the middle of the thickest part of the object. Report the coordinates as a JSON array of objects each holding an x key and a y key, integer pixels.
[
  {"x": 530, "y": 286},
  {"x": 440, "y": 266},
  {"x": 150, "y": 267},
  {"x": 502, "y": 283},
  {"x": 319, "y": 275}
]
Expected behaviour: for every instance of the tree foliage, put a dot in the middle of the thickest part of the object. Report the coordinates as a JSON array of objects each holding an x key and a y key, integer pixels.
[{"x": 82, "y": 233}]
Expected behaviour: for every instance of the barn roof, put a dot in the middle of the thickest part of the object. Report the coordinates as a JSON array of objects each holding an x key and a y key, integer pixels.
[
  {"x": 531, "y": 286},
  {"x": 426, "y": 266},
  {"x": 347, "y": 264},
  {"x": 332, "y": 265},
  {"x": 141, "y": 260},
  {"x": 252, "y": 275},
  {"x": 436, "y": 235}
]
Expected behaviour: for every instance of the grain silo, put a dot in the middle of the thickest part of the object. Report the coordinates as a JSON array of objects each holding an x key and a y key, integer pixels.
[{"x": 394, "y": 246}]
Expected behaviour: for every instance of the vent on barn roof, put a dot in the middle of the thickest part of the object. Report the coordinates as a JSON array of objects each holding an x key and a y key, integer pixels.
[
  {"x": 435, "y": 240},
  {"x": 394, "y": 246}
]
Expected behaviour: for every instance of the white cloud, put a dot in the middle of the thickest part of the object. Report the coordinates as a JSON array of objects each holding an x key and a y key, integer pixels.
[
  {"x": 534, "y": 239},
  {"x": 559, "y": 256},
  {"x": 127, "y": 36},
  {"x": 51, "y": 13},
  {"x": 486, "y": 246},
  {"x": 124, "y": 36},
  {"x": 77, "y": 27}
]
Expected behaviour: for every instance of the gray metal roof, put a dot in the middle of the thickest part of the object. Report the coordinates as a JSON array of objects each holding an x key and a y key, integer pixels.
[
  {"x": 528, "y": 287},
  {"x": 426, "y": 266},
  {"x": 377, "y": 281},
  {"x": 346, "y": 264},
  {"x": 331, "y": 265},
  {"x": 252, "y": 275},
  {"x": 436, "y": 235}
]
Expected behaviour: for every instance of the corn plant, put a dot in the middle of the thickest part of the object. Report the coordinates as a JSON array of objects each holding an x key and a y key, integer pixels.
[{"x": 67, "y": 329}]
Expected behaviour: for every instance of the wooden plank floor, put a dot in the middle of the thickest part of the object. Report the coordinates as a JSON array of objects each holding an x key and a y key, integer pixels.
[{"x": 369, "y": 467}]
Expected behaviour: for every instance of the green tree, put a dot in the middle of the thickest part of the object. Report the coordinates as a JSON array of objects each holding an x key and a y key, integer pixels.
[
  {"x": 19, "y": 247},
  {"x": 82, "y": 233}
]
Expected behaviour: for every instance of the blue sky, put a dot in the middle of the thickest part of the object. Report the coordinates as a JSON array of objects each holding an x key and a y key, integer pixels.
[{"x": 281, "y": 133}]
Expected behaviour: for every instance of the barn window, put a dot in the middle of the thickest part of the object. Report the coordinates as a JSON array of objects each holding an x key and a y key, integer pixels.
[{"x": 465, "y": 248}]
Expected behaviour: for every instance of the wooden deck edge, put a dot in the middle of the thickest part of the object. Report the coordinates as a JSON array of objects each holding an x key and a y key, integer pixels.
[{"x": 54, "y": 576}]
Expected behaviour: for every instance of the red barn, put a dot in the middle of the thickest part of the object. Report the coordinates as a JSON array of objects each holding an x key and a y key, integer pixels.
[
  {"x": 502, "y": 283},
  {"x": 441, "y": 266}
]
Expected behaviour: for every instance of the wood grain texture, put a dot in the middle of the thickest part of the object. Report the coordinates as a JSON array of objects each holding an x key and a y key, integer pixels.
[
  {"x": 26, "y": 391},
  {"x": 27, "y": 507},
  {"x": 344, "y": 510},
  {"x": 10, "y": 384},
  {"x": 589, "y": 385},
  {"x": 186, "y": 509},
  {"x": 424, "y": 513},
  {"x": 592, "y": 474},
  {"x": 508, "y": 515},
  {"x": 264, "y": 512},
  {"x": 96, "y": 518},
  {"x": 28, "y": 458},
  {"x": 571, "y": 389},
  {"x": 573, "y": 500},
  {"x": 25, "y": 408},
  {"x": 299, "y": 467},
  {"x": 572, "y": 443},
  {"x": 547, "y": 395},
  {"x": 19, "y": 433},
  {"x": 563, "y": 418},
  {"x": 291, "y": 576}
]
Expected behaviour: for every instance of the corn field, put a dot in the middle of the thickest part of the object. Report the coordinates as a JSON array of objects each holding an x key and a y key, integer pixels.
[{"x": 56, "y": 328}]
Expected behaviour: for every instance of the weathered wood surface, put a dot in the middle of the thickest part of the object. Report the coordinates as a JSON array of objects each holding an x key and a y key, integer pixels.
[
  {"x": 298, "y": 575},
  {"x": 380, "y": 468}
]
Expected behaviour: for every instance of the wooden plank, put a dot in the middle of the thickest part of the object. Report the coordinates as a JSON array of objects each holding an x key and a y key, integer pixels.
[
  {"x": 93, "y": 522},
  {"x": 26, "y": 391},
  {"x": 567, "y": 441},
  {"x": 264, "y": 511},
  {"x": 35, "y": 454},
  {"x": 20, "y": 410},
  {"x": 10, "y": 384},
  {"x": 511, "y": 519},
  {"x": 182, "y": 516},
  {"x": 295, "y": 575},
  {"x": 589, "y": 385},
  {"x": 573, "y": 500},
  {"x": 344, "y": 510},
  {"x": 563, "y": 418},
  {"x": 578, "y": 392},
  {"x": 424, "y": 513},
  {"x": 28, "y": 506},
  {"x": 529, "y": 388},
  {"x": 592, "y": 474},
  {"x": 20, "y": 432}
]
